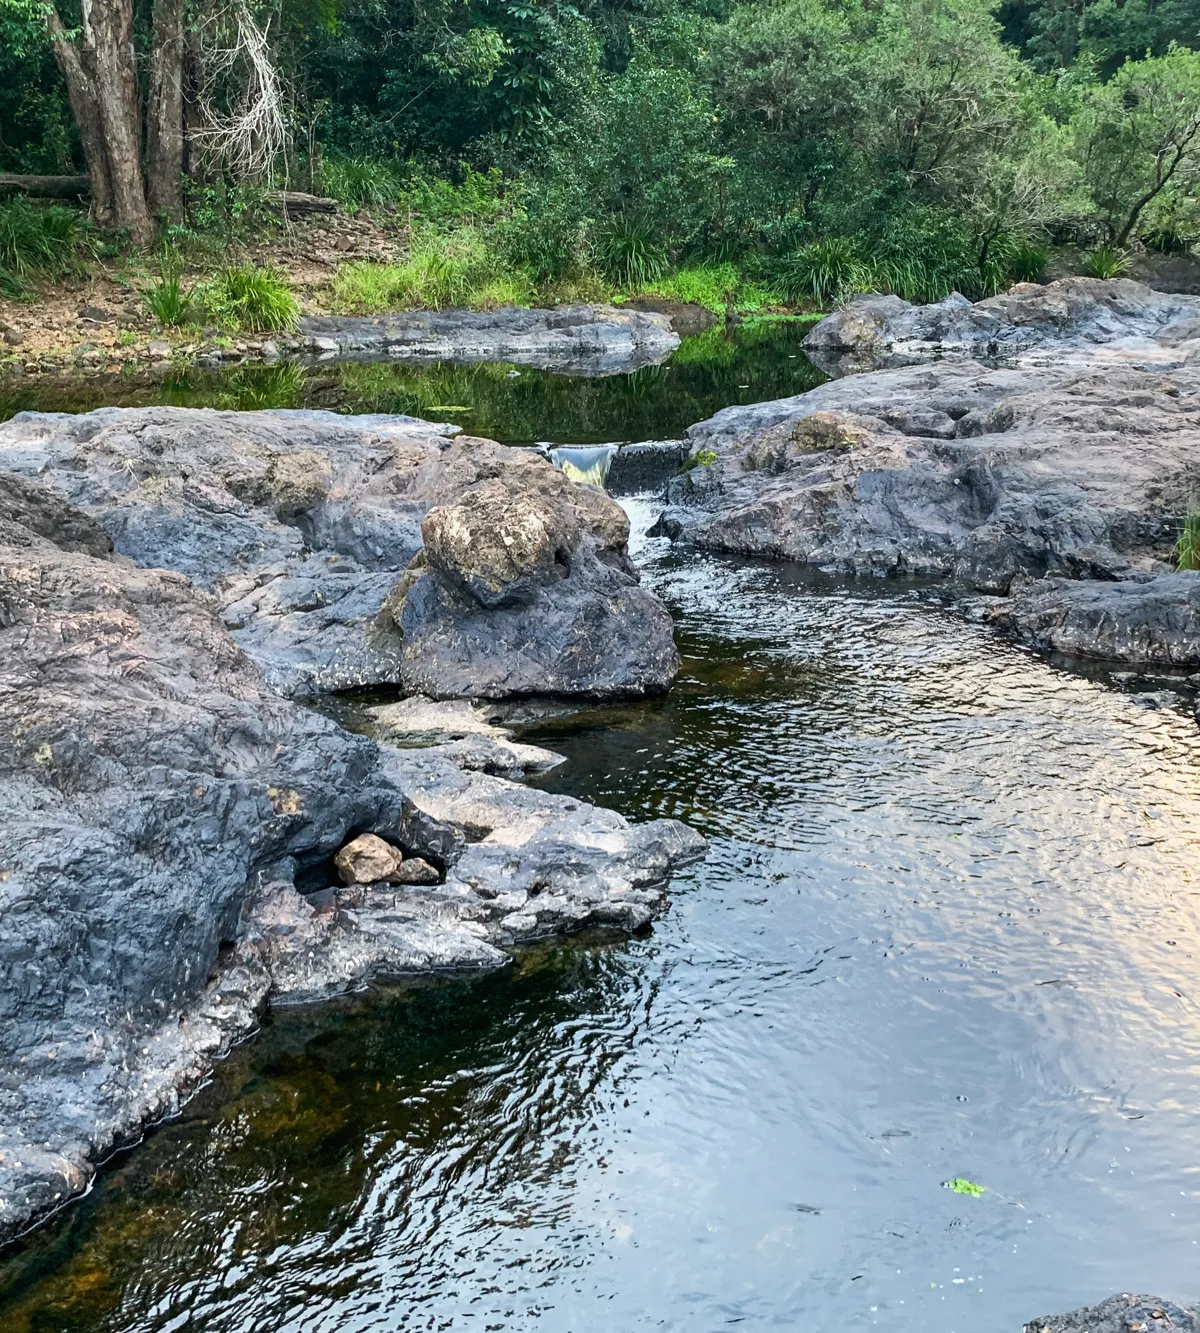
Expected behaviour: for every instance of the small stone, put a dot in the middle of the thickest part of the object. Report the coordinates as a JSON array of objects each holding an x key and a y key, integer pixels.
[
  {"x": 97, "y": 314},
  {"x": 367, "y": 859},
  {"x": 13, "y": 337},
  {"x": 415, "y": 870},
  {"x": 325, "y": 346},
  {"x": 269, "y": 351},
  {"x": 159, "y": 349}
]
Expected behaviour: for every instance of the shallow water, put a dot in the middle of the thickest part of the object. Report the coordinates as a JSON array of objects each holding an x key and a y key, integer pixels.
[
  {"x": 745, "y": 364},
  {"x": 948, "y": 928}
]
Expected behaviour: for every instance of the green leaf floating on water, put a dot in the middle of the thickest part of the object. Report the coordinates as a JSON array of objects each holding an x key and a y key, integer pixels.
[{"x": 962, "y": 1186}]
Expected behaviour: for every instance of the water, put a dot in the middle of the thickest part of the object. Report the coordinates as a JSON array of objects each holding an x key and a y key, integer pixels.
[
  {"x": 745, "y": 364},
  {"x": 948, "y": 928}
]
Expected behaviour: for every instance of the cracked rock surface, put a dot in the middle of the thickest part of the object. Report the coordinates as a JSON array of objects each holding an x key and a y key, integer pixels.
[
  {"x": 305, "y": 526},
  {"x": 168, "y": 825},
  {"x": 1122, "y": 1314}
]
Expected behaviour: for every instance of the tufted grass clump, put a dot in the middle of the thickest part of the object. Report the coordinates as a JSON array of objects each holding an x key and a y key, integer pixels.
[
  {"x": 361, "y": 182},
  {"x": 1187, "y": 543},
  {"x": 38, "y": 241},
  {"x": 251, "y": 300},
  {"x": 631, "y": 254},
  {"x": 1106, "y": 261}
]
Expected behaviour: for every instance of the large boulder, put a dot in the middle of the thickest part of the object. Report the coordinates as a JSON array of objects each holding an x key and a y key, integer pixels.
[
  {"x": 584, "y": 339},
  {"x": 1075, "y": 461},
  {"x": 169, "y": 829},
  {"x": 303, "y": 525}
]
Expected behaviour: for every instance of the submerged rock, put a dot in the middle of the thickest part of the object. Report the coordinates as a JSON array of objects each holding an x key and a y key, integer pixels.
[
  {"x": 1122, "y": 1314},
  {"x": 584, "y": 339},
  {"x": 168, "y": 829},
  {"x": 305, "y": 527},
  {"x": 1075, "y": 462}
]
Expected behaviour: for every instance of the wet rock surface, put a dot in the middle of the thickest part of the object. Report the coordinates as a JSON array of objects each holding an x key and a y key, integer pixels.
[
  {"x": 168, "y": 828},
  {"x": 1076, "y": 461},
  {"x": 584, "y": 339},
  {"x": 303, "y": 525},
  {"x": 1122, "y": 1314}
]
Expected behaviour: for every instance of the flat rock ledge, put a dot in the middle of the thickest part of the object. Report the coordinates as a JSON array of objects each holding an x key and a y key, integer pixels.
[
  {"x": 348, "y": 551},
  {"x": 1122, "y": 1314},
  {"x": 584, "y": 339},
  {"x": 168, "y": 834},
  {"x": 1056, "y": 482}
]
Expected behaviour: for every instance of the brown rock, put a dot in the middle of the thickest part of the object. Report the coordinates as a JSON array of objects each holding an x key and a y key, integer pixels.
[
  {"x": 415, "y": 870},
  {"x": 367, "y": 859}
]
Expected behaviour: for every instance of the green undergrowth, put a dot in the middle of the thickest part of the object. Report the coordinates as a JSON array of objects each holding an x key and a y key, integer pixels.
[{"x": 40, "y": 241}]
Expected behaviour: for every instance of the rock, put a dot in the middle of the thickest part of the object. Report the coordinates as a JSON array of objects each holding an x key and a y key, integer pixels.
[
  {"x": 415, "y": 870},
  {"x": 269, "y": 351},
  {"x": 14, "y": 337},
  {"x": 95, "y": 314},
  {"x": 875, "y": 332},
  {"x": 462, "y": 733},
  {"x": 160, "y": 811},
  {"x": 304, "y": 525},
  {"x": 367, "y": 859},
  {"x": 1122, "y": 1314},
  {"x": 1153, "y": 621},
  {"x": 159, "y": 349},
  {"x": 581, "y": 338},
  {"x": 1075, "y": 461}
]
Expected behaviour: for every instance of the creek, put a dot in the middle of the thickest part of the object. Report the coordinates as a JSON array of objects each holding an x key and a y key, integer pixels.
[{"x": 947, "y": 929}]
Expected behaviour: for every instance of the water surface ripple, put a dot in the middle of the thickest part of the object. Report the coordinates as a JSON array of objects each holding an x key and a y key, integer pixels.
[{"x": 948, "y": 927}]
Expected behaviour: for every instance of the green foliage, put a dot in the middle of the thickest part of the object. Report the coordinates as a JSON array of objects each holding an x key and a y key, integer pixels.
[
  {"x": 632, "y": 255},
  {"x": 167, "y": 299},
  {"x": 821, "y": 271},
  {"x": 249, "y": 299},
  {"x": 38, "y": 241},
  {"x": 1028, "y": 261},
  {"x": 458, "y": 269},
  {"x": 360, "y": 182},
  {"x": 714, "y": 286},
  {"x": 1187, "y": 544},
  {"x": 960, "y": 1185},
  {"x": 1106, "y": 261}
]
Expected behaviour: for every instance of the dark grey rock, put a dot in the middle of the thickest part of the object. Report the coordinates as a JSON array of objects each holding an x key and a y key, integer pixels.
[
  {"x": 160, "y": 811},
  {"x": 585, "y": 339},
  {"x": 1122, "y": 1314},
  {"x": 303, "y": 524}
]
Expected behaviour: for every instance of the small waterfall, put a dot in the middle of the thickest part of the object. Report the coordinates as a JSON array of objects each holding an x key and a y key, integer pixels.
[{"x": 588, "y": 463}]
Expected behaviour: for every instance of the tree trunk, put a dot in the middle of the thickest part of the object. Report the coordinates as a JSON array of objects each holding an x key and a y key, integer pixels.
[
  {"x": 82, "y": 96},
  {"x": 46, "y": 187},
  {"x": 164, "y": 107},
  {"x": 193, "y": 120},
  {"x": 108, "y": 40}
]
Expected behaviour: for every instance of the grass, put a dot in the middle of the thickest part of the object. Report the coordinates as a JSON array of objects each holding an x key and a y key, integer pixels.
[
  {"x": 250, "y": 300},
  {"x": 458, "y": 269},
  {"x": 631, "y": 255},
  {"x": 361, "y": 182},
  {"x": 37, "y": 241},
  {"x": 1106, "y": 261},
  {"x": 167, "y": 300},
  {"x": 1187, "y": 544},
  {"x": 820, "y": 272},
  {"x": 713, "y": 286}
]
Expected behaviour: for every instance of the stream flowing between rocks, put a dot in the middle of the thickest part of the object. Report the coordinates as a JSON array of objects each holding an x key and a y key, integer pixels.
[{"x": 948, "y": 927}]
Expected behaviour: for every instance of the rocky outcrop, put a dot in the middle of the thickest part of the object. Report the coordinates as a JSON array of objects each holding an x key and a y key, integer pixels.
[
  {"x": 1075, "y": 462},
  {"x": 305, "y": 527},
  {"x": 877, "y": 332},
  {"x": 1122, "y": 1314},
  {"x": 168, "y": 835},
  {"x": 584, "y": 339}
]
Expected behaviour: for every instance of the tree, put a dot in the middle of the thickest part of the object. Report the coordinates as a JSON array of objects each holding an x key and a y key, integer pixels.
[{"x": 1139, "y": 139}]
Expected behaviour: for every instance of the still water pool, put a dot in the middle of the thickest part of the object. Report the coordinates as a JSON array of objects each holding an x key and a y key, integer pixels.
[{"x": 949, "y": 928}]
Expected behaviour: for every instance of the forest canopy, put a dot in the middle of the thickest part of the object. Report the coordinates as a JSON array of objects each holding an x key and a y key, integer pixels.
[{"x": 914, "y": 144}]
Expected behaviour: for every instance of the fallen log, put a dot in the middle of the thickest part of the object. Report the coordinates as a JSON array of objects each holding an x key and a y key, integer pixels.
[
  {"x": 46, "y": 187},
  {"x": 295, "y": 204}
]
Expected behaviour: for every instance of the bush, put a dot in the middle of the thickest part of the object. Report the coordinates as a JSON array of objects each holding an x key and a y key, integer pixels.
[
  {"x": 253, "y": 300},
  {"x": 1106, "y": 261},
  {"x": 820, "y": 271},
  {"x": 1187, "y": 545},
  {"x": 34, "y": 241},
  {"x": 632, "y": 255},
  {"x": 1028, "y": 261}
]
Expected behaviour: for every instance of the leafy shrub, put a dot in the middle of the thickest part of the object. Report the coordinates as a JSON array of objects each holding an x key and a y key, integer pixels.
[
  {"x": 1106, "y": 261},
  {"x": 254, "y": 300},
  {"x": 820, "y": 271},
  {"x": 47, "y": 241},
  {"x": 632, "y": 255}
]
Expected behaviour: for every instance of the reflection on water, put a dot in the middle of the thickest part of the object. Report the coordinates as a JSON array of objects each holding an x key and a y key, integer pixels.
[
  {"x": 514, "y": 404},
  {"x": 948, "y": 928}
]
